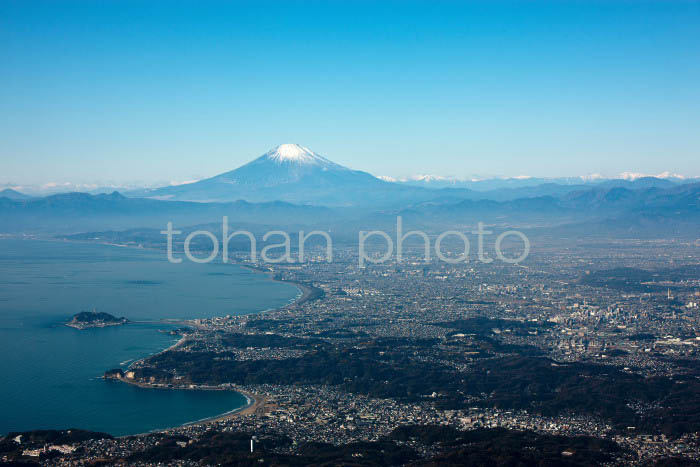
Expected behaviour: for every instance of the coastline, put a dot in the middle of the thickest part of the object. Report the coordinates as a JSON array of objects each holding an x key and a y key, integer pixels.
[
  {"x": 253, "y": 401},
  {"x": 306, "y": 290},
  {"x": 81, "y": 327}
]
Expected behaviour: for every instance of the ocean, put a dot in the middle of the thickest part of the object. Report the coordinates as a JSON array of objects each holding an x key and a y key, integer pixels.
[{"x": 50, "y": 374}]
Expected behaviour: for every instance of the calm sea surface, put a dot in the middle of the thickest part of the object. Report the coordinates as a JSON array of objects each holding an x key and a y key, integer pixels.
[{"x": 50, "y": 375}]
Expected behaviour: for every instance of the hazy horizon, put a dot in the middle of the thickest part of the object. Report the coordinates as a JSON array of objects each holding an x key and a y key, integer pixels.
[
  {"x": 96, "y": 184},
  {"x": 147, "y": 94}
]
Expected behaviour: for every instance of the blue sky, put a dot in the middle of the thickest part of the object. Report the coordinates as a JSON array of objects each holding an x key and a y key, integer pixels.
[{"x": 149, "y": 92}]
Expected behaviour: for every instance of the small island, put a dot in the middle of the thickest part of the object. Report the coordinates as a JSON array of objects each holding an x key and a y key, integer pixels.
[{"x": 95, "y": 319}]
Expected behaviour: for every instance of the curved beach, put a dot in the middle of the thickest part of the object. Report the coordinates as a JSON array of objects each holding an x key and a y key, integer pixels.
[{"x": 253, "y": 401}]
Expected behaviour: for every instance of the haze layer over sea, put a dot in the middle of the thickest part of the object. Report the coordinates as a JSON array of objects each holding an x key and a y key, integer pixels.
[{"x": 50, "y": 374}]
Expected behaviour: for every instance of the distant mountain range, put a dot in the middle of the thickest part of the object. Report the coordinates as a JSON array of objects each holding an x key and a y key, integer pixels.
[
  {"x": 13, "y": 194},
  {"x": 292, "y": 185},
  {"x": 80, "y": 212},
  {"x": 678, "y": 203},
  {"x": 294, "y": 174},
  {"x": 665, "y": 179}
]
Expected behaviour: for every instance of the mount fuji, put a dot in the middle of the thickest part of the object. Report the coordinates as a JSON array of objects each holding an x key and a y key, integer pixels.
[{"x": 294, "y": 174}]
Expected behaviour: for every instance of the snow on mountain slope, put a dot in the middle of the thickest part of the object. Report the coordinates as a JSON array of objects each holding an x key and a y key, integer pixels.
[
  {"x": 294, "y": 153},
  {"x": 295, "y": 174}
]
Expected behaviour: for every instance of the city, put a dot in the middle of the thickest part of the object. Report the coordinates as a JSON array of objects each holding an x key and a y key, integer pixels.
[{"x": 539, "y": 329}]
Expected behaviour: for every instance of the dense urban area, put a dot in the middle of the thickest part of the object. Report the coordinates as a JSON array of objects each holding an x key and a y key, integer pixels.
[{"x": 585, "y": 353}]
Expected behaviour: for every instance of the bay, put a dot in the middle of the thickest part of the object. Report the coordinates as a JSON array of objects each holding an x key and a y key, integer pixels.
[{"x": 50, "y": 374}]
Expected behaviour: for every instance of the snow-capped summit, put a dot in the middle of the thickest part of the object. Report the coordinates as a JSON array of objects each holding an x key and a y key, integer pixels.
[
  {"x": 295, "y": 174},
  {"x": 295, "y": 153},
  {"x": 292, "y": 173}
]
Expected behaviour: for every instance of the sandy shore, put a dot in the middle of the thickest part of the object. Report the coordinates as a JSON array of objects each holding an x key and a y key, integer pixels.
[{"x": 254, "y": 401}]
